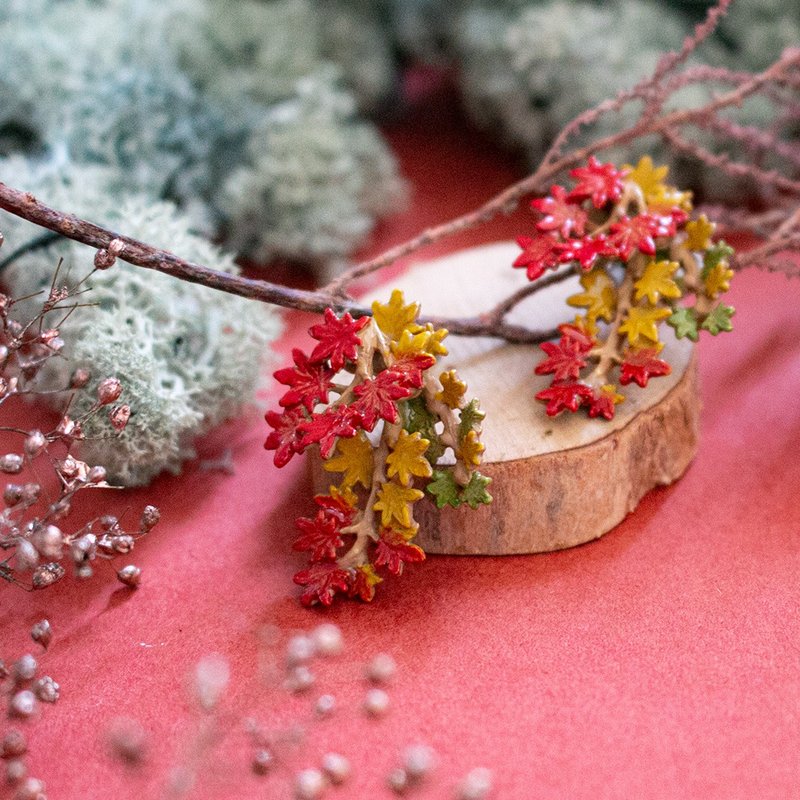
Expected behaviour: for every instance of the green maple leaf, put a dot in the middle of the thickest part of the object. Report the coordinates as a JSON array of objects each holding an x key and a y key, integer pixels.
[
  {"x": 444, "y": 489},
  {"x": 719, "y": 319},
  {"x": 417, "y": 419},
  {"x": 475, "y": 493},
  {"x": 471, "y": 418},
  {"x": 721, "y": 251},
  {"x": 684, "y": 321}
]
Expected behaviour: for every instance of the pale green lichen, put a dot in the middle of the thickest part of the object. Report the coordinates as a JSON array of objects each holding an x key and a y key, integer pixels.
[{"x": 187, "y": 356}]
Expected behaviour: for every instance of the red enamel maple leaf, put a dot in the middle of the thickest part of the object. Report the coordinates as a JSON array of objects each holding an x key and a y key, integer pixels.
[
  {"x": 410, "y": 367},
  {"x": 587, "y": 250},
  {"x": 578, "y": 338},
  {"x": 322, "y": 582},
  {"x": 310, "y": 382},
  {"x": 638, "y": 233},
  {"x": 285, "y": 440},
  {"x": 336, "y": 507},
  {"x": 393, "y": 552},
  {"x": 602, "y": 405},
  {"x": 320, "y": 536},
  {"x": 539, "y": 253},
  {"x": 564, "y": 360},
  {"x": 560, "y": 213},
  {"x": 565, "y": 397},
  {"x": 327, "y": 427},
  {"x": 337, "y": 338},
  {"x": 600, "y": 182},
  {"x": 641, "y": 365},
  {"x": 377, "y": 396}
]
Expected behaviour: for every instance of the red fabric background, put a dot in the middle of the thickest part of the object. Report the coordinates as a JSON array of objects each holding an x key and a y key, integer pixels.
[{"x": 662, "y": 661}]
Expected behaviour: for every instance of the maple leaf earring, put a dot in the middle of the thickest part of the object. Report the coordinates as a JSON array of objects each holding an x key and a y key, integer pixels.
[{"x": 642, "y": 259}]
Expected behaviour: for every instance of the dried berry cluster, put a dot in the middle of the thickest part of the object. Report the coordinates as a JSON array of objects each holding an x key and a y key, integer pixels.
[
  {"x": 388, "y": 432},
  {"x": 642, "y": 258},
  {"x": 25, "y": 693},
  {"x": 32, "y": 534}
]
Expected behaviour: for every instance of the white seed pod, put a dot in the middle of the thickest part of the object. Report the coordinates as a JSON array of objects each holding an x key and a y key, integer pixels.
[
  {"x": 299, "y": 649},
  {"x": 35, "y": 443},
  {"x": 299, "y": 679},
  {"x": 49, "y": 541},
  {"x": 22, "y": 704},
  {"x": 263, "y": 761},
  {"x": 211, "y": 676},
  {"x": 131, "y": 576},
  {"x": 24, "y": 669},
  {"x": 13, "y": 745},
  {"x": 47, "y": 690},
  {"x": 397, "y": 780},
  {"x": 325, "y": 705},
  {"x": 42, "y": 633},
  {"x": 16, "y": 771},
  {"x": 11, "y": 463},
  {"x": 418, "y": 760},
  {"x": 30, "y": 789},
  {"x": 47, "y": 575},
  {"x": 26, "y": 557}
]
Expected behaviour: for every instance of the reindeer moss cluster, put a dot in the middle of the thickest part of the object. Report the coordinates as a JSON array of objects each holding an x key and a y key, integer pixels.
[{"x": 188, "y": 356}]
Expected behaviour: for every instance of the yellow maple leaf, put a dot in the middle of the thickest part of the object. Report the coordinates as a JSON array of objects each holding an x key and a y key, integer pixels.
[
  {"x": 699, "y": 233},
  {"x": 354, "y": 459},
  {"x": 471, "y": 449},
  {"x": 649, "y": 178},
  {"x": 394, "y": 502},
  {"x": 718, "y": 279},
  {"x": 343, "y": 493},
  {"x": 407, "y": 458},
  {"x": 395, "y": 316},
  {"x": 600, "y": 297},
  {"x": 642, "y": 322},
  {"x": 405, "y": 533},
  {"x": 435, "y": 346},
  {"x": 585, "y": 324},
  {"x": 411, "y": 343},
  {"x": 610, "y": 390},
  {"x": 452, "y": 394},
  {"x": 667, "y": 197},
  {"x": 656, "y": 282}
]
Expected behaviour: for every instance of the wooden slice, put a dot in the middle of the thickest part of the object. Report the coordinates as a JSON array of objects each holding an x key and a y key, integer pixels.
[{"x": 556, "y": 482}]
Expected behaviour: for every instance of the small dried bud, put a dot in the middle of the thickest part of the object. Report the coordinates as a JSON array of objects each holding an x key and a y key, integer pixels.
[
  {"x": 418, "y": 761},
  {"x": 263, "y": 762},
  {"x": 150, "y": 517},
  {"x": 48, "y": 336},
  {"x": 24, "y": 669},
  {"x": 382, "y": 668},
  {"x": 127, "y": 740},
  {"x": 325, "y": 705},
  {"x": 211, "y": 676},
  {"x": 84, "y": 548},
  {"x": 26, "y": 556},
  {"x": 309, "y": 784},
  {"x": 22, "y": 704},
  {"x": 16, "y": 771},
  {"x": 123, "y": 544},
  {"x": 119, "y": 417},
  {"x": 47, "y": 574},
  {"x": 35, "y": 444},
  {"x": 476, "y": 785},
  {"x": 31, "y": 789},
  {"x": 11, "y": 463},
  {"x": 327, "y": 639},
  {"x": 108, "y": 391},
  {"x": 49, "y": 541},
  {"x": 61, "y": 508},
  {"x": 336, "y": 767},
  {"x": 46, "y": 689},
  {"x": 12, "y": 494},
  {"x": 84, "y": 572},
  {"x": 13, "y": 745},
  {"x": 376, "y": 702},
  {"x": 70, "y": 467},
  {"x": 4, "y": 384},
  {"x": 69, "y": 430},
  {"x": 107, "y": 257},
  {"x": 14, "y": 328},
  {"x": 3, "y": 354},
  {"x": 398, "y": 781},
  {"x": 79, "y": 378},
  {"x": 131, "y": 576},
  {"x": 97, "y": 474},
  {"x": 30, "y": 493},
  {"x": 108, "y": 522},
  {"x": 42, "y": 633}
]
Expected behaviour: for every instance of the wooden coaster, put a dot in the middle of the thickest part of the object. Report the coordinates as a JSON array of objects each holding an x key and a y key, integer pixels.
[{"x": 556, "y": 482}]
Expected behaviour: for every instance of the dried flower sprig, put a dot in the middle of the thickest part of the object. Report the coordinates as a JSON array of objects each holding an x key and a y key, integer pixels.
[
  {"x": 641, "y": 258},
  {"x": 387, "y": 433},
  {"x": 33, "y": 538}
]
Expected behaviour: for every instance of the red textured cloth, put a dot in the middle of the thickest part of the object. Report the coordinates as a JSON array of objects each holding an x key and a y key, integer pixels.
[{"x": 662, "y": 661}]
